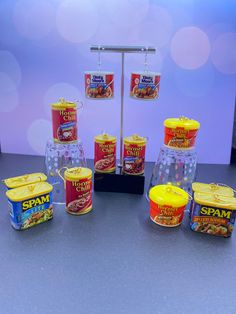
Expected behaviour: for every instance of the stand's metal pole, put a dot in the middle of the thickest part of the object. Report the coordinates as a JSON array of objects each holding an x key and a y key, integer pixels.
[{"x": 122, "y": 108}]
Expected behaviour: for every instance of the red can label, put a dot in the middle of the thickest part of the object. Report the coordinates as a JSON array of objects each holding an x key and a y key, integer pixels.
[
  {"x": 64, "y": 124},
  {"x": 79, "y": 196},
  {"x": 105, "y": 156},
  {"x": 145, "y": 85},
  {"x": 166, "y": 215},
  {"x": 133, "y": 159},
  {"x": 180, "y": 138},
  {"x": 99, "y": 85}
]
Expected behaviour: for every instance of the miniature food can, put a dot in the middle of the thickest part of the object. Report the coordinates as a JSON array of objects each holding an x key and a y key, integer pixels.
[
  {"x": 134, "y": 154},
  {"x": 99, "y": 85},
  {"x": 167, "y": 205},
  {"x": 64, "y": 122},
  {"x": 215, "y": 188},
  {"x": 104, "y": 153},
  {"x": 181, "y": 132},
  {"x": 78, "y": 182},
  {"x": 30, "y": 205},
  {"x": 25, "y": 179},
  {"x": 145, "y": 85},
  {"x": 213, "y": 214}
]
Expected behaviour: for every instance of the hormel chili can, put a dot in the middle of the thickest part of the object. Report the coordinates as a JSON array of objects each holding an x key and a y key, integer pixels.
[
  {"x": 181, "y": 132},
  {"x": 134, "y": 155},
  {"x": 99, "y": 85},
  {"x": 104, "y": 153},
  {"x": 145, "y": 85},
  {"x": 64, "y": 122},
  {"x": 78, "y": 183}
]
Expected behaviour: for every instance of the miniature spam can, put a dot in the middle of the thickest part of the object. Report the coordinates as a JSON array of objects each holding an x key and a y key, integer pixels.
[
  {"x": 78, "y": 182},
  {"x": 213, "y": 214},
  {"x": 167, "y": 205},
  {"x": 181, "y": 132},
  {"x": 216, "y": 188},
  {"x": 104, "y": 153},
  {"x": 30, "y": 205},
  {"x": 25, "y": 179}
]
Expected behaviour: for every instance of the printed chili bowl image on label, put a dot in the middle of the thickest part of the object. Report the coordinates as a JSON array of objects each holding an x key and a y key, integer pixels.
[
  {"x": 167, "y": 205},
  {"x": 99, "y": 85},
  {"x": 78, "y": 183},
  {"x": 64, "y": 122},
  {"x": 181, "y": 132},
  {"x": 145, "y": 85},
  {"x": 134, "y": 155},
  {"x": 104, "y": 153}
]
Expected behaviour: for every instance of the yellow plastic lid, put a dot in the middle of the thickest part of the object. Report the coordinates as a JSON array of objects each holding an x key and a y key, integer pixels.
[
  {"x": 101, "y": 138},
  {"x": 182, "y": 122},
  {"x": 29, "y": 191},
  {"x": 77, "y": 173},
  {"x": 25, "y": 179},
  {"x": 168, "y": 195},
  {"x": 63, "y": 104},
  {"x": 215, "y": 200},
  {"x": 135, "y": 139},
  {"x": 216, "y": 188}
]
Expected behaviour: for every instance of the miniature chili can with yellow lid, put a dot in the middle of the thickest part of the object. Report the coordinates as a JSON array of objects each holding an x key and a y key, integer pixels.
[
  {"x": 181, "y": 132},
  {"x": 134, "y": 154},
  {"x": 64, "y": 121},
  {"x": 167, "y": 205},
  {"x": 213, "y": 214},
  {"x": 30, "y": 205},
  {"x": 25, "y": 179},
  {"x": 78, "y": 183},
  {"x": 104, "y": 153}
]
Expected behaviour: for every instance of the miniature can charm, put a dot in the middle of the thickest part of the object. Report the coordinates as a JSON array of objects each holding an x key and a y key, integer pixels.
[
  {"x": 78, "y": 182},
  {"x": 134, "y": 155},
  {"x": 64, "y": 122},
  {"x": 213, "y": 214},
  {"x": 25, "y": 179},
  {"x": 104, "y": 153},
  {"x": 99, "y": 85},
  {"x": 181, "y": 132},
  {"x": 145, "y": 85},
  {"x": 30, "y": 205},
  {"x": 167, "y": 205}
]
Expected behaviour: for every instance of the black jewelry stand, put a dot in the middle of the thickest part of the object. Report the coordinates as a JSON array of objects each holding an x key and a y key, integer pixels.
[{"x": 119, "y": 182}]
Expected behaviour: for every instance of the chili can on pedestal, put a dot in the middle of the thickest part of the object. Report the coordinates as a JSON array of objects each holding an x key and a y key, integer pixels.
[
  {"x": 64, "y": 122},
  {"x": 134, "y": 154},
  {"x": 104, "y": 153},
  {"x": 78, "y": 182}
]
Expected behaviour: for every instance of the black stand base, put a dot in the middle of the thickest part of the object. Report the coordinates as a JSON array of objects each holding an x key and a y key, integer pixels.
[{"x": 121, "y": 183}]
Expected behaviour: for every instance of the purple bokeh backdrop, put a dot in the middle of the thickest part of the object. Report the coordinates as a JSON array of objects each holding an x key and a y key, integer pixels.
[{"x": 43, "y": 57}]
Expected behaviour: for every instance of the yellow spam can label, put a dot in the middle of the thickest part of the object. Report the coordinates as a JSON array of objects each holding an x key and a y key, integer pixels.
[
  {"x": 30, "y": 205},
  {"x": 25, "y": 179}
]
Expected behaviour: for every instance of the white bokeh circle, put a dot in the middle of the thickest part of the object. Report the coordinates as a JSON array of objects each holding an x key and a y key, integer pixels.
[
  {"x": 223, "y": 54},
  {"x": 77, "y": 21},
  {"x": 126, "y": 12},
  {"x": 60, "y": 90},
  {"x": 157, "y": 27},
  {"x": 190, "y": 48},
  {"x": 8, "y": 93},
  {"x": 33, "y": 19},
  {"x": 38, "y": 133},
  {"x": 10, "y": 66}
]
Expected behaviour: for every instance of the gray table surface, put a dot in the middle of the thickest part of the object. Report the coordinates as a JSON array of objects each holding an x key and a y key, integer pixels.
[{"x": 114, "y": 259}]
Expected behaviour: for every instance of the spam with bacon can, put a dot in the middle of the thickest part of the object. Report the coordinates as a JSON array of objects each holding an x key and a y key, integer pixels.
[
  {"x": 30, "y": 205},
  {"x": 213, "y": 214},
  {"x": 104, "y": 153},
  {"x": 78, "y": 182},
  {"x": 181, "y": 132},
  {"x": 134, "y": 154},
  {"x": 25, "y": 179},
  {"x": 64, "y": 121}
]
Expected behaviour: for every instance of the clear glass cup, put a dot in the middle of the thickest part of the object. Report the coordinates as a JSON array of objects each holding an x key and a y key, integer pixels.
[{"x": 58, "y": 156}]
